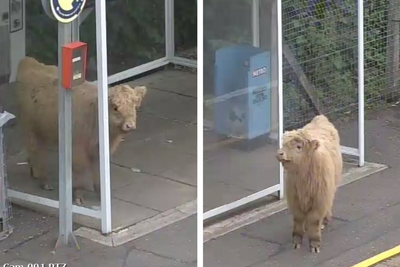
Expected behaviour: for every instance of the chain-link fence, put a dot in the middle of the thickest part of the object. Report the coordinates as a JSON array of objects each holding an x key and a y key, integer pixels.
[
  {"x": 5, "y": 205},
  {"x": 320, "y": 54}
]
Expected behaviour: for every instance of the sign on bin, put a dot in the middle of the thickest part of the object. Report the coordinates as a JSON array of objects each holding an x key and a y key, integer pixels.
[{"x": 243, "y": 87}]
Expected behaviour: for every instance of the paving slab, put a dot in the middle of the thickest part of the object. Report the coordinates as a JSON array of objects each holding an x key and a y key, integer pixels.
[
  {"x": 235, "y": 250},
  {"x": 218, "y": 193},
  {"x": 169, "y": 194},
  {"x": 183, "y": 138},
  {"x": 141, "y": 252},
  {"x": 359, "y": 199},
  {"x": 249, "y": 170},
  {"x": 27, "y": 225},
  {"x": 186, "y": 173},
  {"x": 150, "y": 157},
  {"x": 171, "y": 81},
  {"x": 143, "y": 258},
  {"x": 176, "y": 241},
  {"x": 366, "y": 251},
  {"x": 21, "y": 181},
  {"x": 149, "y": 126},
  {"x": 170, "y": 105}
]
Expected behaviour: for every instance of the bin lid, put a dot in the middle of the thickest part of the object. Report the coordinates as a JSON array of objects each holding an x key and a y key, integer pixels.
[{"x": 5, "y": 117}]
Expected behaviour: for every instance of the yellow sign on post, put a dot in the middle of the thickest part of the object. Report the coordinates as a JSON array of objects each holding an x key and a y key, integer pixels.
[{"x": 64, "y": 11}]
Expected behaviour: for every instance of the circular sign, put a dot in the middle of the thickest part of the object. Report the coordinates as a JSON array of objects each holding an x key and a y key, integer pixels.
[{"x": 65, "y": 11}]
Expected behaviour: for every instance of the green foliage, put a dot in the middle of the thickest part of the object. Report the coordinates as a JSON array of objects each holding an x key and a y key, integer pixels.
[
  {"x": 323, "y": 37},
  {"x": 41, "y": 33},
  {"x": 322, "y": 34},
  {"x": 186, "y": 23}
]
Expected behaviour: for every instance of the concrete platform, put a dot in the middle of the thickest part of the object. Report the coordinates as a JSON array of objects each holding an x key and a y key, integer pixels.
[
  {"x": 394, "y": 262},
  {"x": 235, "y": 168},
  {"x": 231, "y": 173},
  {"x": 35, "y": 235},
  {"x": 154, "y": 171},
  {"x": 365, "y": 214}
]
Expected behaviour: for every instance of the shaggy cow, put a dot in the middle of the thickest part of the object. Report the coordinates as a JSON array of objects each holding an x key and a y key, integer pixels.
[
  {"x": 313, "y": 162},
  {"x": 37, "y": 90}
]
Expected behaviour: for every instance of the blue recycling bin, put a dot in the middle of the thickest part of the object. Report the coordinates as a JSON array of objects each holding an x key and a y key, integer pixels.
[{"x": 242, "y": 87}]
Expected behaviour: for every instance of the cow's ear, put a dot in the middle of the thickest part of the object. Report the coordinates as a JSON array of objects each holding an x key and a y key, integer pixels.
[
  {"x": 140, "y": 92},
  {"x": 314, "y": 144}
]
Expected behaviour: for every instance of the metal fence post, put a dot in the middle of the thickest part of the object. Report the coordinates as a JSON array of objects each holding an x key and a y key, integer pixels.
[
  {"x": 169, "y": 29},
  {"x": 361, "y": 132},
  {"x": 280, "y": 91}
]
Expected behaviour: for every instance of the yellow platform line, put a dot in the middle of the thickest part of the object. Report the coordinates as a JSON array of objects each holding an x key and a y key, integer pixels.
[{"x": 380, "y": 257}]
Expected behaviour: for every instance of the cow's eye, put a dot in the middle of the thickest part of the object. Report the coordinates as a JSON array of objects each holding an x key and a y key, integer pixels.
[
  {"x": 115, "y": 108},
  {"x": 298, "y": 147}
]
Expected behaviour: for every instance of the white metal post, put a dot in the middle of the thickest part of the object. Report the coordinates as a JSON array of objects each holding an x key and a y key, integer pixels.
[
  {"x": 280, "y": 91},
  {"x": 169, "y": 29},
  {"x": 3, "y": 189},
  {"x": 4, "y": 204},
  {"x": 64, "y": 146},
  {"x": 361, "y": 132},
  {"x": 102, "y": 85},
  {"x": 255, "y": 22}
]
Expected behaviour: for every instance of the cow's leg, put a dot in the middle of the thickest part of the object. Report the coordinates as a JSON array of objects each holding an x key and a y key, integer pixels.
[
  {"x": 78, "y": 184},
  {"x": 77, "y": 195},
  {"x": 95, "y": 175},
  {"x": 327, "y": 219},
  {"x": 79, "y": 167},
  {"x": 37, "y": 160},
  {"x": 298, "y": 229},
  {"x": 314, "y": 222}
]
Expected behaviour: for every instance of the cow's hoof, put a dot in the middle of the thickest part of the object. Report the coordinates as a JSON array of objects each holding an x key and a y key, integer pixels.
[
  {"x": 47, "y": 187},
  {"x": 315, "y": 247},
  {"x": 296, "y": 246},
  {"x": 297, "y": 240},
  {"x": 79, "y": 201}
]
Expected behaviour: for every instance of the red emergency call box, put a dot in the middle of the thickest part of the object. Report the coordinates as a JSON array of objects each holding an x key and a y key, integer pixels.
[{"x": 74, "y": 62}]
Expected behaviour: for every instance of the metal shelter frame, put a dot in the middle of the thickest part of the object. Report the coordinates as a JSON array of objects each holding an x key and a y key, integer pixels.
[
  {"x": 104, "y": 214},
  {"x": 358, "y": 152}
]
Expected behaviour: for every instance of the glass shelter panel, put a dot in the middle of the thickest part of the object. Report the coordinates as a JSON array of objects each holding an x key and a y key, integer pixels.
[
  {"x": 135, "y": 35},
  {"x": 320, "y": 66},
  {"x": 240, "y": 100},
  {"x": 159, "y": 125},
  {"x": 185, "y": 23},
  {"x": 40, "y": 29},
  {"x": 31, "y": 94}
]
